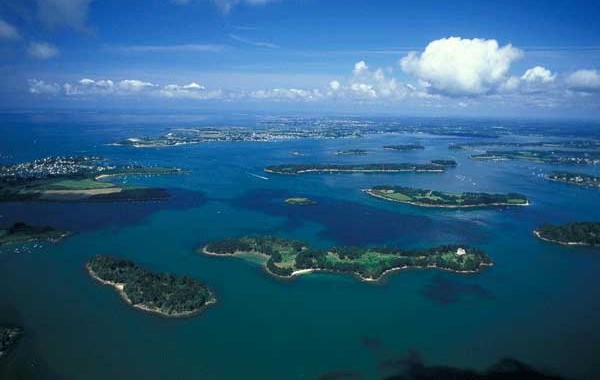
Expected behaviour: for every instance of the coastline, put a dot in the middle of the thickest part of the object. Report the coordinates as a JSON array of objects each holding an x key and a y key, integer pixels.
[
  {"x": 569, "y": 243},
  {"x": 300, "y": 272},
  {"x": 119, "y": 287},
  {"x": 358, "y": 171},
  {"x": 369, "y": 192}
]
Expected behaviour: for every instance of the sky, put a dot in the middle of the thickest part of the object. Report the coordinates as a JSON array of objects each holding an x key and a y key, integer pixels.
[{"x": 480, "y": 58}]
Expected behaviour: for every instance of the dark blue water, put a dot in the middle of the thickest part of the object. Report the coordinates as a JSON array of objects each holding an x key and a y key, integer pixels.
[{"x": 540, "y": 303}]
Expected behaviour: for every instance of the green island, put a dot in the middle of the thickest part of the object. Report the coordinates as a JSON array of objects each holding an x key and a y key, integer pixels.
[
  {"x": 579, "y": 179},
  {"x": 352, "y": 152},
  {"x": 404, "y": 147},
  {"x": 302, "y": 201},
  {"x": 435, "y": 166},
  {"x": 557, "y": 157},
  {"x": 568, "y": 144},
  {"x": 433, "y": 198},
  {"x": 578, "y": 233},
  {"x": 159, "y": 293},
  {"x": 23, "y": 233},
  {"x": 75, "y": 179},
  {"x": 9, "y": 336},
  {"x": 288, "y": 258}
]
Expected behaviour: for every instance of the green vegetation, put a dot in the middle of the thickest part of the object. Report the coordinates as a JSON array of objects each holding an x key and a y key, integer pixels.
[
  {"x": 436, "y": 166},
  {"x": 161, "y": 293},
  {"x": 579, "y": 233},
  {"x": 579, "y": 179},
  {"x": 432, "y": 198},
  {"x": 300, "y": 201},
  {"x": 404, "y": 147},
  {"x": 568, "y": 144},
  {"x": 286, "y": 258},
  {"x": 557, "y": 157},
  {"x": 352, "y": 152},
  {"x": 9, "y": 335},
  {"x": 22, "y": 233},
  {"x": 74, "y": 179}
]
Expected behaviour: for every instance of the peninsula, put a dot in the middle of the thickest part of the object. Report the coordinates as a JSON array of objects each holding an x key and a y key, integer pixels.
[
  {"x": 158, "y": 293},
  {"x": 9, "y": 335},
  {"x": 288, "y": 258},
  {"x": 578, "y": 233},
  {"x": 22, "y": 233},
  {"x": 435, "y": 166},
  {"x": 433, "y": 198},
  {"x": 75, "y": 179},
  {"x": 578, "y": 179}
]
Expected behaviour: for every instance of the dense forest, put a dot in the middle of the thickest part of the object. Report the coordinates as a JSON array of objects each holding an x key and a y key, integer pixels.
[
  {"x": 587, "y": 233},
  {"x": 287, "y": 256},
  {"x": 22, "y": 232},
  {"x": 164, "y": 293}
]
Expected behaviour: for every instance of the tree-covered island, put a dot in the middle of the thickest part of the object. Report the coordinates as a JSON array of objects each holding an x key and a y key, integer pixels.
[
  {"x": 433, "y": 198},
  {"x": 159, "y": 293},
  {"x": 287, "y": 258},
  {"x": 300, "y": 201},
  {"x": 75, "y": 179},
  {"x": 435, "y": 166},
  {"x": 555, "y": 157},
  {"x": 578, "y": 179},
  {"x": 578, "y": 233},
  {"x": 21, "y": 233},
  {"x": 404, "y": 147},
  {"x": 352, "y": 152},
  {"x": 9, "y": 336}
]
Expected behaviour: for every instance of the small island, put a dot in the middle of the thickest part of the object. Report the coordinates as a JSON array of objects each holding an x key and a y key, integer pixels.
[
  {"x": 435, "y": 166},
  {"x": 433, "y": 198},
  {"x": 301, "y": 201},
  {"x": 404, "y": 147},
  {"x": 578, "y": 179},
  {"x": 9, "y": 336},
  {"x": 352, "y": 152},
  {"x": 65, "y": 179},
  {"x": 578, "y": 233},
  {"x": 158, "y": 293},
  {"x": 288, "y": 258},
  {"x": 22, "y": 233}
]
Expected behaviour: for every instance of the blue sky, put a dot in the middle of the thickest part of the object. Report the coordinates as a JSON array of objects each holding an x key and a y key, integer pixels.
[{"x": 428, "y": 57}]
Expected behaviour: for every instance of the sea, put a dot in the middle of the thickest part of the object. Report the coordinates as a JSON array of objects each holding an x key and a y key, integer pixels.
[{"x": 539, "y": 303}]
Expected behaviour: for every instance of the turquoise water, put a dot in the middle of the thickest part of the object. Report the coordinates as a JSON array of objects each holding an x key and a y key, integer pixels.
[{"x": 540, "y": 303}]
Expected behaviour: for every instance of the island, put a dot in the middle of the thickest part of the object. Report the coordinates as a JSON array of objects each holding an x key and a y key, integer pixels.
[
  {"x": 22, "y": 233},
  {"x": 578, "y": 179},
  {"x": 9, "y": 336},
  {"x": 404, "y": 147},
  {"x": 556, "y": 157},
  {"x": 568, "y": 144},
  {"x": 288, "y": 258},
  {"x": 578, "y": 233},
  {"x": 352, "y": 152},
  {"x": 435, "y": 166},
  {"x": 158, "y": 293},
  {"x": 78, "y": 178},
  {"x": 301, "y": 201},
  {"x": 433, "y": 198}
]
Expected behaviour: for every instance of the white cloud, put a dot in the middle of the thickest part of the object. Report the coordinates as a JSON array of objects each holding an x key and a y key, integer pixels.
[
  {"x": 285, "y": 94},
  {"x": 69, "y": 13},
  {"x": 134, "y": 85},
  {"x": 254, "y": 43},
  {"x": 8, "y": 32},
  {"x": 39, "y": 87},
  {"x": 538, "y": 74},
  {"x": 584, "y": 80},
  {"x": 42, "y": 50},
  {"x": 88, "y": 86},
  {"x": 190, "y": 91},
  {"x": 461, "y": 67},
  {"x": 334, "y": 85}
]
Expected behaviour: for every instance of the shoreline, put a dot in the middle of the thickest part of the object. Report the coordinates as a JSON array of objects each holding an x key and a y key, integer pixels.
[
  {"x": 369, "y": 192},
  {"x": 300, "y": 272},
  {"x": 358, "y": 171},
  {"x": 568, "y": 244},
  {"x": 119, "y": 287}
]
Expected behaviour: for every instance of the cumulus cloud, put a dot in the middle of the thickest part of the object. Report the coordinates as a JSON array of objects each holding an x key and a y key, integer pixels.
[
  {"x": 458, "y": 66},
  {"x": 42, "y": 50},
  {"x": 285, "y": 94},
  {"x": 88, "y": 86},
  {"x": 134, "y": 85},
  {"x": 584, "y": 80},
  {"x": 39, "y": 87},
  {"x": 8, "y": 32},
  {"x": 190, "y": 91},
  {"x": 69, "y": 13},
  {"x": 538, "y": 74}
]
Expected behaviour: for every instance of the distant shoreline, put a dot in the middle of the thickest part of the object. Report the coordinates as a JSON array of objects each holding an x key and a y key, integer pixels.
[{"x": 370, "y": 192}]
